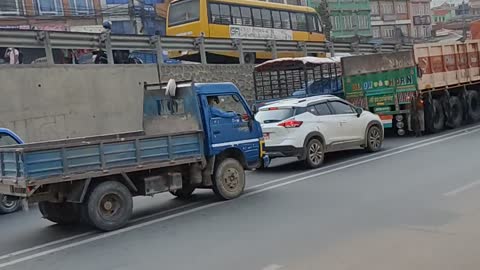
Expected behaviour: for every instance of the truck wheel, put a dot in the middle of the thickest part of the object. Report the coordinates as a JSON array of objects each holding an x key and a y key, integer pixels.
[
  {"x": 109, "y": 206},
  {"x": 374, "y": 139},
  {"x": 456, "y": 112},
  {"x": 473, "y": 103},
  {"x": 315, "y": 155},
  {"x": 8, "y": 205},
  {"x": 229, "y": 179},
  {"x": 438, "y": 116},
  {"x": 61, "y": 213},
  {"x": 184, "y": 193}
]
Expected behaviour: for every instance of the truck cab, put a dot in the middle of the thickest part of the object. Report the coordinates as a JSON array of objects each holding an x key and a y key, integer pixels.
[{"x": 234, "y": 132}]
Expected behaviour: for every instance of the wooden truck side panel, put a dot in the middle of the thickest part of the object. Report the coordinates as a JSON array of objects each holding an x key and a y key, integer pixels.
[{"x": 445, "y": 65}]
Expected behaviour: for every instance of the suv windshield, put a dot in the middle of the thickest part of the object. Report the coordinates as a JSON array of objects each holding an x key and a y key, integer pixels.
[
  {"x": 183, "y": 12},
  {"x": 273, "y": 115}
]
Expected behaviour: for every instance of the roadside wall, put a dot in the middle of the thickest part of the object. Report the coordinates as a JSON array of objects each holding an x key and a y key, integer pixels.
[{"x": 65, "y": 101}]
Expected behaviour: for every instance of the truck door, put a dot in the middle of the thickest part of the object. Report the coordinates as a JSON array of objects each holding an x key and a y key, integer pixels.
[{"x": 231, "y": 124}]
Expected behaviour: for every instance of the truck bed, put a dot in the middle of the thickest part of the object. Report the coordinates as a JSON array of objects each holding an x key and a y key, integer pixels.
[{"x": 82, "y": 158}]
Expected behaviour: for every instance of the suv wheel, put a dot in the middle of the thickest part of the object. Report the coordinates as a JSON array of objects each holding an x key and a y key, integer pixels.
[{"x": 314, "y": 152}]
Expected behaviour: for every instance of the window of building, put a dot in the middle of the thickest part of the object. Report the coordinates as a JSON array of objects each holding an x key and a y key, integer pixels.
[
  {"x": 374, "y": 9},
  {"x": 401, "y": 7},
  {"x": 388, "y": 31},
  {"x": 362, "y": 21},
  {"x": 81, "y": 7},
  {"x": 122, "y": 27},
  {"x": 49, "y": 7},
  {"x": 404, "y": 29},
  {"x": 347, "y": 22},
  {"x": 376, "y": 32},
  {"x": 427, "y": 32},
  {"x": 11, "y": 7},
  {"x": 387, "y": 7}
]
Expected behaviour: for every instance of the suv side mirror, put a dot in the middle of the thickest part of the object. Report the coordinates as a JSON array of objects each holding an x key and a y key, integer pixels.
[{"x": 359, "y": 111}]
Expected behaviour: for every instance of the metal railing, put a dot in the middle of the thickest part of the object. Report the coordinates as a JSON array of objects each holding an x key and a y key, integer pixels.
[{"x": 108, "y": 42}]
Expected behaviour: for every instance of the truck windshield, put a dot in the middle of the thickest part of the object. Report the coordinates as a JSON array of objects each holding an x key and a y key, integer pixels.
[
  {"x": 273, "y": 115},
  {"x": 6, "y": 139},
  {"x": 183, "y": 12}
]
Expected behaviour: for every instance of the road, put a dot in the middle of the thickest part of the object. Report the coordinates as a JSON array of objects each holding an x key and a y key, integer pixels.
[{"x": 414, "y": 205}]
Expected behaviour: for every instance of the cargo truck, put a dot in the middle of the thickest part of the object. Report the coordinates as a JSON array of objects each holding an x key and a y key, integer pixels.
[
  {"x": 430, "y": 88},
  {"x": 184, "y": 145}
]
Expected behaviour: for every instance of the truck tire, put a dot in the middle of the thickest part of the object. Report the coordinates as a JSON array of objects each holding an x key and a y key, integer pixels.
[
  {"x": 473, "y": 105},
  {"x": 7, "y": 205},
  {"x": 61, "y": 213},
  {"x": 109, "y": 206},
  {"x": 456, "y": 112},
  {"x": 229, "y": 179},
  {"x": 314, "y": 154},
  {"x": 184, "y": 193},
  {"x": 374, "y": 139},
  {"x": 436, "y": 117}
]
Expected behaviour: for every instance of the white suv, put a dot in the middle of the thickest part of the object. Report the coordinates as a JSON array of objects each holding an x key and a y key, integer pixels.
[{"x": 308, "y": 128}]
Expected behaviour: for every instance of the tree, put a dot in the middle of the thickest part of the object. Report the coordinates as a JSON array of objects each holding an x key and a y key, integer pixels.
[{"x": 324, "y": 13}]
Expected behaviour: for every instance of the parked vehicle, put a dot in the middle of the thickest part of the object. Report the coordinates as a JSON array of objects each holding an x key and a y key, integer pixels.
[
  {"x": 183, "y": 146},
  {"x": 296, "y": 77},
  {"x": 430, "y": 88},
  {"x": 9, "y": 204},
  {"x": 307, "y": 128}
]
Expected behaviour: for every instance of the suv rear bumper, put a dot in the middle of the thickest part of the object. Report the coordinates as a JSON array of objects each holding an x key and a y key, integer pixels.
[{"x": 284, "y": 151}]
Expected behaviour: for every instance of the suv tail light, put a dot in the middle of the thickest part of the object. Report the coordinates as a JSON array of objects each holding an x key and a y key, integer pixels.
[{"x": 291, "y": 124}]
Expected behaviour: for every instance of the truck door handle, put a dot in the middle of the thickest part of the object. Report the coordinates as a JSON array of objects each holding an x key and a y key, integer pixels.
[{"x": 216, "y": 132}]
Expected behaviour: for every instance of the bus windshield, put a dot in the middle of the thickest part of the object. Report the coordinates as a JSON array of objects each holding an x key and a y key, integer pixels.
[{"x": 183, "y": 12}]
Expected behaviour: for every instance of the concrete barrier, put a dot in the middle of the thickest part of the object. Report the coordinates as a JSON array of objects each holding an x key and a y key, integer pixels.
[{"x": 65, "y": 101}]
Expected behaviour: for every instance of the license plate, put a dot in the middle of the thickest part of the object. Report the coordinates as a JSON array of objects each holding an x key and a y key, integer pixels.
[{"x": 266, "y": 136}]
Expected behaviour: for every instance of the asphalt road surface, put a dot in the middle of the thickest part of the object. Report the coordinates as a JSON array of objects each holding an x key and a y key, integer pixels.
[{"x": 414, "y": 205}]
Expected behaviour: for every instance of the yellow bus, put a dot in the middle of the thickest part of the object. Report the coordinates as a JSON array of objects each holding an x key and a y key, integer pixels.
[{"x": 242, "y": 19}]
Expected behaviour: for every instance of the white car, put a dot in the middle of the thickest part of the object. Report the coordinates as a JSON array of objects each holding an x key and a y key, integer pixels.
[{"x": 307, "y": 128}]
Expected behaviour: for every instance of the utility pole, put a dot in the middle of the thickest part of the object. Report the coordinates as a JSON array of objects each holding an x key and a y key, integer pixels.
[
  {"x": 463, "y": 22},
  {"x": 131, "y": 13}
]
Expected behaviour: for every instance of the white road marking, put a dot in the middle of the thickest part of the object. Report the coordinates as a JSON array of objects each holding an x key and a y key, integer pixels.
[
  {"x": 417, "y": 145},
  {"x": 462, "y": 189},
  {"x": 272, "y": 267}
]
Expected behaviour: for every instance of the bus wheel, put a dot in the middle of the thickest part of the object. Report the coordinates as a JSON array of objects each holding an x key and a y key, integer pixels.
[
  {"x": 456, "y": 112},
  {"x": 473, "y": 105},
  {"x": 249, "y": 58}
]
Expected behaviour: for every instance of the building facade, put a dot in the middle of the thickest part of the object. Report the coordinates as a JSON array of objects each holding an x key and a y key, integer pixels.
[
  {"x": 54, "y": 15},
  {"x": 443, "y": 13},
  {"x": 350, "y": 20},
  {"x": 391, "y": 20},
  {"x": 421, "y": 17},
  {"x": 144, "y": 13}
]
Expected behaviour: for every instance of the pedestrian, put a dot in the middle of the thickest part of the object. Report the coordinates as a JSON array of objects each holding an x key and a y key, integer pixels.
[{"x": 12, "y": 56}]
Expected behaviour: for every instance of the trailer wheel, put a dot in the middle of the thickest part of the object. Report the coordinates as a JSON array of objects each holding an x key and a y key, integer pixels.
[
  {"x": 436, "y": 116},
  {"x": 456, "y": 112},
  {"x": 109, "y": 206},
  {"x": 184, "y": 193},
  {"x": 61, "y": 213},
  {"x": 8, "y": 205},
  {"x": 229, "y": 179},
  {"x": 473, "y": 104}
]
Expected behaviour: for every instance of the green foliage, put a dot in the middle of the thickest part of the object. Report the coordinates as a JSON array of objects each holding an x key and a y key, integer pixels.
[{"x": 324, "y": 14}]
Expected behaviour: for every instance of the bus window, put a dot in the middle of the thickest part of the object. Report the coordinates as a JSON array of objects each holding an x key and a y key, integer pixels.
[
  {"x": 277, "y": 23},
  {"x": 246, "y": 16},
  {"x": 285, "y": 20},
  {"x": 299, "y": 22},
  {"x": 236, "y": 16},
  {"x": 184, "y": 12},
  {"x": 267, "y": 18},
  {"x": 312, "y": 23},
  {"x": 225, "y": 14},
  {"x": 257, "y": 17}
]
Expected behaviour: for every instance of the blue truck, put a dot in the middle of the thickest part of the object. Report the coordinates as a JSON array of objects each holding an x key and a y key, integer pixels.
[
  {"x": 184, "y": 145},
  {"x": 9, "y": 204}
]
